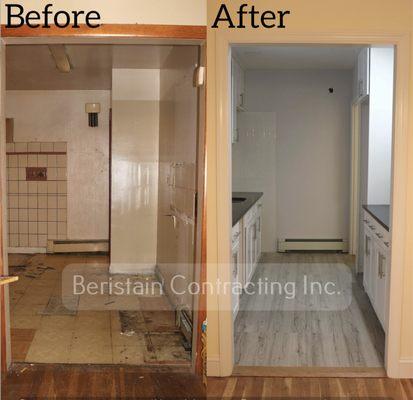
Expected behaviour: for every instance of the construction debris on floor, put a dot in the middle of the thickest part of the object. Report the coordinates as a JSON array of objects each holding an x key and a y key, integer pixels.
[{"x": 49, "y": 328}]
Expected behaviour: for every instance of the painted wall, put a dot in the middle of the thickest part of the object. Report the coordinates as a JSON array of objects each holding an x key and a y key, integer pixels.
[
  {"x": 380, "y": 125},
  {"x": 135, "y": 151},
  {"x": 177, "y": 172},
  {"x": 327, "y": 20},
  {"x": 311, "y": 166},
  {"x": 53, "y": 116},
  {"x": 170, "y": 12}
]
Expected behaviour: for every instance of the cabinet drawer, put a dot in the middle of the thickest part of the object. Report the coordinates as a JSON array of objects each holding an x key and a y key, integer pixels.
[{"x": 378, "y": 232}]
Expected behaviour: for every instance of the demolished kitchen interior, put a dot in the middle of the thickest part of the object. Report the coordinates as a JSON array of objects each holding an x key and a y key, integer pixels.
[
  {"x": 311, "y": 135},
  {"x": 103, "y": 170}
]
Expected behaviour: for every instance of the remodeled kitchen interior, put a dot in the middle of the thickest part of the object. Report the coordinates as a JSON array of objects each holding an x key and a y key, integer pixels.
[
  {"x": 311, "y": 133},
  {"x": 102, "y": 181}
]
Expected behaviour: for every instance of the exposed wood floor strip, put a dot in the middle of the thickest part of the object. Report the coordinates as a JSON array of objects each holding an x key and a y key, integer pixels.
[
  {"x": 99, "y": 382},
  {"x": 310, "y": 388}
]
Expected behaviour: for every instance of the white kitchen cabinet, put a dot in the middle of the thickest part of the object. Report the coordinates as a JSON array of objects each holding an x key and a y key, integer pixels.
[
  {"x": 368, "y": 259},
  {"x": 236, "y": 267},
  {"x": 258, "y": 235},
  {"x": 250, "y": 250},
  {"x": 363, "y": 73},
  {"x": 381, "y": 272},
  {"x": 377, "y": 267}
]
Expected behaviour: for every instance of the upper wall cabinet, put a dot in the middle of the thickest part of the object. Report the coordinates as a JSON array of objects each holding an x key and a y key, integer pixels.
[
  {"x": 363, "y": 74},
  {"x": 238, "y": 95}
]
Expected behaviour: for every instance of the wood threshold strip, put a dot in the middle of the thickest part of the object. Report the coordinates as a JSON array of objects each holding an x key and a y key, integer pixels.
[
  {"x": 308, "y": 372},
  {"x": 111, "y": 30}
]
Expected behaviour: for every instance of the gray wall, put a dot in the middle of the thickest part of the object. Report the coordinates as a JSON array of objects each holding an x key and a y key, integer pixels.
[{"x": 311, "y": 166}]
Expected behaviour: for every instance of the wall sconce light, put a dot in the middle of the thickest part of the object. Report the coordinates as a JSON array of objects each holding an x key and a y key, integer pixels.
[{"x": 93, "y": 109}]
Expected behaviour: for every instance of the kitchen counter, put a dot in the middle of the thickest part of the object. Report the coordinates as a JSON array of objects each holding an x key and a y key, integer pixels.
[
  {"x": 381, "y": 213},
  {"x": 240, "y": 209}
]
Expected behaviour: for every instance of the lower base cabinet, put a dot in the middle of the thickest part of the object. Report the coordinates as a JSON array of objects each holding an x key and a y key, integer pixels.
[
  {"x": 377, "y": 267},
  {"x": 246, "y": 251}
]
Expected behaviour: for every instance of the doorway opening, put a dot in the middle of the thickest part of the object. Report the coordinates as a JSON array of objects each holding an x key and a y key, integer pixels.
[
  {"x": 104, "y": 155},
  {"x": 311, "y": 204}
]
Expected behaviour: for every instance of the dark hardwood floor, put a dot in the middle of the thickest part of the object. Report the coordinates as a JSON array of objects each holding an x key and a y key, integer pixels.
[
  {"x": 310, "y": 388},
  {"x": 99, "y": 382}
]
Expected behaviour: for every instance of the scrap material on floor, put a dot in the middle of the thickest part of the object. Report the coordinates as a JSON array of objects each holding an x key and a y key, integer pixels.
[
  {"x": 347, "y": 335},
  {"x": 49, "y": 328}
]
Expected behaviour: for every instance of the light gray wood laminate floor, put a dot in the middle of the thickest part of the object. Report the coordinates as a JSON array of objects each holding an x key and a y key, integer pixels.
[{"x": 316, "y": 330}]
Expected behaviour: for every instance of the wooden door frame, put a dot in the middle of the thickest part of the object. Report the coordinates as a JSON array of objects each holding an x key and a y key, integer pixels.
[
  {"x": 222, "y": 364},
  {"x": 123, "y": 34}
]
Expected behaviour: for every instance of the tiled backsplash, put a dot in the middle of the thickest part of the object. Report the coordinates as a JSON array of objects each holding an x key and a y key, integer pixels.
[{"x": 37, "y": 209}]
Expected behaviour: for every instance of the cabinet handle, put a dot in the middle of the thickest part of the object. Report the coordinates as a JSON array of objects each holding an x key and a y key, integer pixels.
[
  {"x": 373, "y": 228},
  {"x": 387, "y": 244},
  {"x": 365, "y": 220},
  {"x": 379, "y": 235},
  {"x": 242, "y": 99}
]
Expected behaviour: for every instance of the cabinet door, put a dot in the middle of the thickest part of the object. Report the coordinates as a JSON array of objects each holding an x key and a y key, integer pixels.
[
  {"x": 259, "y": 233},
  {"x": 363, "y": 73},
  {"x": 381, "y": 292},
  {"x": 249, "y": 252},
  {"x": 236, "y": 277},
  {"x": 368, "y": 257}
]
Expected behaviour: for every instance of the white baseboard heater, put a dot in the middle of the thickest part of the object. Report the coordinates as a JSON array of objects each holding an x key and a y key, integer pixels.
[
  {"x": 77, "y": 246},
  {"x": 285, "y": 245}
]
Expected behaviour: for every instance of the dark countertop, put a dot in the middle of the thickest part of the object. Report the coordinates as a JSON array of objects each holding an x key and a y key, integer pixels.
[
  {"x": 240, "y": 209},
  {"x": 380, "y": 212}
]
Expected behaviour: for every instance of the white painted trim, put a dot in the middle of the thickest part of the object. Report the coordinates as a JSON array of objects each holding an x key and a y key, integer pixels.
[
  {"x": 26, "y": 250},
  {"x": 213, "y": 366},
  {"x": 132, "y": 269},
  {"x": 400, "y": 175},
  {"x": 338, "y": 245}
]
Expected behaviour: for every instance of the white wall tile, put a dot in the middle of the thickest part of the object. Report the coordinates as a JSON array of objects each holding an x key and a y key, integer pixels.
[
  {"x": 13, "y": 214},
  {"x": 32, "y": 160},
  {"x": 12, "y": 160},
  {"x": 9, "y": 147},
  {"x": 32, "y": 187},
  {"x": 59, "y": 147},
  {"x": 23, "y": 214},
  {"x": 14, "y": 240},
  {"x": 32, "y": 201},
  {"x": 42, "y": 228},
  {"x": 13, "y": 187},
  {"x": 33, "y": 241},
  {"x": 24, "y": 227},
  {"x": 23, "y": 240},
  {"x": 42, "y": 160},
  {"x": 42, "y": 215},
  {"x": 32, "y": 213},
  {"x": 20, "y": 147},
  {"x": 42, "y": 201},
  {"x": 48, "y": 147},
  {"x": 42, "y": 187},
  {"x": 13, "y": 174},
  {"x": 22, "y": 160},
  {"x": 23, "y": 201},
  {"x": 42, "y": 240},
  {"x": 33, "y": 147}
]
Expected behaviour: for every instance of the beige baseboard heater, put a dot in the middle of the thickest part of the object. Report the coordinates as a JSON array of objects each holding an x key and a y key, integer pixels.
[
  {"x": 77, "y": 246},
  {"x": 285, "y": 245}
]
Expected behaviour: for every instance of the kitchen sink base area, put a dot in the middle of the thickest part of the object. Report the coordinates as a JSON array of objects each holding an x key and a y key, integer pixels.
[{"x": 276, "y": 336}]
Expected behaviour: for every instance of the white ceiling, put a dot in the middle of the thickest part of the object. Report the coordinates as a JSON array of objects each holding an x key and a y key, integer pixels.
[
  {"x": 296, "y": 57},
  {"x": 31, "y": 67}
]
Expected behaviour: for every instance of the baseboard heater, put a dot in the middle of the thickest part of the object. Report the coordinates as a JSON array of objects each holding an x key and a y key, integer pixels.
[
  {"x": 285, "y": 245},
  {"x": 77, "y": 246}
]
